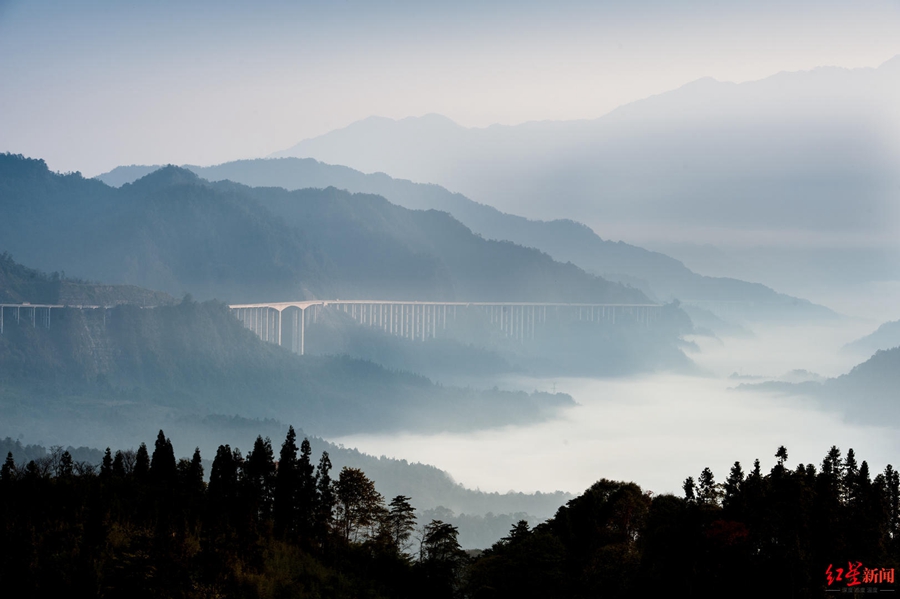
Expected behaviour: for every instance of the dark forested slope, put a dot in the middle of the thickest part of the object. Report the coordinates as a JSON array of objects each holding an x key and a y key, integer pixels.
[
  {"x": 19, "y": 284},
  {"x": 564, "y": 240},
  {"x": 875, "y": 383},
  {"x": 173, "y": 231},
  {"x": 106, "y": 368},
  {"x": 790, "y": 532},
  {"x": 167, "y": 231},
  {"x": 365, "y": 235},
  {"x": 147, "y": 525}
]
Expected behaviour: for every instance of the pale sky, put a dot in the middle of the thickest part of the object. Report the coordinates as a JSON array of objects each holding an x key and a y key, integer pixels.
[{"x": 91, "y": 85}]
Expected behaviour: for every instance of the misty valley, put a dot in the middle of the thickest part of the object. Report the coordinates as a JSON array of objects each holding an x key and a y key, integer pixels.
[
  {"x": 519, "y": 379},
  {"x": 655, "y": 353}
]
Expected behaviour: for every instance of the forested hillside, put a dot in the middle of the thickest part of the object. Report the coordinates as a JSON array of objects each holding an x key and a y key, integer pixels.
[
  {"x": 658, "y": 275},
  {"x": 114, "y": 369},
  {"x": 175, "y": 232},
  {"x": 19, "y": 284},
  {"x": 873, "y": 386},
  {"x": 283, "y": 522},
  {"x": 481, "y": 517},
  {"x": 795, "y": 531}
]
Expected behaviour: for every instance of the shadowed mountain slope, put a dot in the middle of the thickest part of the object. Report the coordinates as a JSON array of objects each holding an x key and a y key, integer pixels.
[
  {"x": 20, "y": 284},
  {"x": 173, "y": 231},
  {"x": 869, "y": 393},
  {"x": 109, "y": 372},
  {"x": 567, "y": 241}
]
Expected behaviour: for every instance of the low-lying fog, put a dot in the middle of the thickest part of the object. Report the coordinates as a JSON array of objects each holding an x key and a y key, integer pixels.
[{"x": 659, "y": 429}]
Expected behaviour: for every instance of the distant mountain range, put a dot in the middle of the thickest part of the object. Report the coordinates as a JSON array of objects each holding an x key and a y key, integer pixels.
[
  {"x": 109, "y": 370},
  {"x": 887, "y": 336},
  {"x": 175, "y": 232},
  {"x": 868, "y": 393},
  {"x": 790, "y": 181},
  {"x": 812, "y": 152},
  {"x": 659, "y": 276},
  {"x": 172, "y": 230},
  {"x": 110, "y": 377}
]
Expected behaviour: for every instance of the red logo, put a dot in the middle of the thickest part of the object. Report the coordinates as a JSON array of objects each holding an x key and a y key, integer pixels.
[{"x": 856, "y": 574}]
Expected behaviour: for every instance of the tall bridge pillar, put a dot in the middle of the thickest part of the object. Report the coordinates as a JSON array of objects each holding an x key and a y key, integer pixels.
[{"x": 421, "y": 320}]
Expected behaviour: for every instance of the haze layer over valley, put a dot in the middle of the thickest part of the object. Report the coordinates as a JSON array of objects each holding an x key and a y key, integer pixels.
[
  {"x": 486, "y": 254},
  {"x": 698, "y": 410}
]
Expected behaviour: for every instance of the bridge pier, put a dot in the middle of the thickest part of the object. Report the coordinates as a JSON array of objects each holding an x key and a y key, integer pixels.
[{"x": 412, "y": 320}]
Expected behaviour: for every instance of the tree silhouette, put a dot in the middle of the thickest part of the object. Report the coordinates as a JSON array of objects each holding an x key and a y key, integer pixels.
[
  {"x": 400, "y": 522},
  {"x": 142, "y": 463},
  {"x": 441, "y": 559},
  {"x": 306, "y": 490},
  {"x": 689, "y": 488},
  {"x": 163, "y": 468},
  {"x": 359, "y": 505},
  {"x": 324, "y": 495},
  {"x": 286, "y": 486},
  {"x": 65, "y": 467},
  {"x": 106, "y": 466},
  {"x": 259, "y": 471},
  {"x": 708, "y": 491},
  {"x": 8, "y": 471}
]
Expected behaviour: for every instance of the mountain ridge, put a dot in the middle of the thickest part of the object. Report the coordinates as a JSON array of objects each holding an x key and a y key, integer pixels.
[
  {"x": 173, "y": 231},
  {"x": 781, "y": 154},
  {"x": 565, "y": 240}
]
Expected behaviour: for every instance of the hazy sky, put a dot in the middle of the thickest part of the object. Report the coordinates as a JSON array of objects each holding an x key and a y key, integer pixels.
[{"x": 93, "y": 84}]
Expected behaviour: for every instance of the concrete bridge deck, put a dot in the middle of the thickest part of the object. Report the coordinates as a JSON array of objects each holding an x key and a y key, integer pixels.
[
  {"x": 285, "y": 323},
  {"x": 40, "y": 313},
  {"x": 420, "y": 320}
]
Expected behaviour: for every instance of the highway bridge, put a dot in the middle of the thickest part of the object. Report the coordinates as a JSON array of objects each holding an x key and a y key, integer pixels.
[
  {"x": 38, "y": 314},
  {"x": 285, "y": 323}
]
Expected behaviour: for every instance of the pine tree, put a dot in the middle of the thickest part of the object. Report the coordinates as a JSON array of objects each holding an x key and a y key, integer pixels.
[
  {"x": 400, "y": 523},
  {"x": 756, "y": 473},
  {"x": 733, "y": 486},
  {"x": 259, "y": 470},
  {"x": 163, "y": 467},
  {"x": 9, "y": 471},
  {"x": 782, "y": 455},
  {"x": 223, "y": 478},
  {"x": 829, "y": 482},
  {"x": 324, "y": 496},
  {"x": 688, "y": 488},
  {"x": 118, "y": 465},
  {"x": 65, "y": 467},
  {"x": 439, "y": 542},
  {"x": 106, "y": 466},
  {"x": 142, "y": 463},
  {"x": 892, "y": 489},
  {"x": 306, "y": 489},
  {"x": 851, "y": 476},
  {"x": 191, "y": 473},
  {"x": 709, "y": 492},
  {"x": 286, "y": 483},
  {"x": 441, "y": 558},
  {"x": 359, "y": 506},
  {"x": 517, "y": 533}
]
